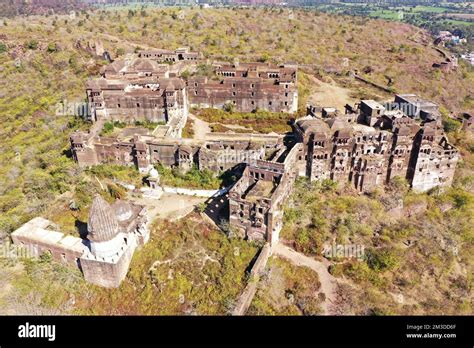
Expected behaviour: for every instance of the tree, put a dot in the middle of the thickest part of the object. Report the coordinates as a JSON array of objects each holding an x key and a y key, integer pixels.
[
  {"x": 264, "y": 58},
  {"x": 108, "y": 128},
  {"x": 119, "y": 52},
  {"x": 31, "y": 45},
  {"x": 52, "y": 47},
  {"x": 229, "y": 107},
  {"x": 451, "y": 125},
  {"x": 382, "y": 259}
]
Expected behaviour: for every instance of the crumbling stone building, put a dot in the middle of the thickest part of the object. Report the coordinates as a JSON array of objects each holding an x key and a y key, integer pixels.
[
  {"x": 247, "y": 87},
  {"x": 104, "y": 254},
  {"x": 161, "y": 55},
  {"x": 370, "y": 145},
  {"x": 137, "y": 96},
  {"x": 256, "y": 200},
  {"x": 136, "y": 89},
  {"x": 366, "y": 146},
  {"x": 93, "y": 47},
  {"x": 145, "y": 150}
]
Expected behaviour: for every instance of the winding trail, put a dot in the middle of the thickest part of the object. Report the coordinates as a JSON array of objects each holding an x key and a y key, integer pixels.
[{"x": 328, "y": 282}]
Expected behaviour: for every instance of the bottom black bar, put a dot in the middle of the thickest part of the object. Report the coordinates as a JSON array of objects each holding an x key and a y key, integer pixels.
[{"x": 164, "y": 331}]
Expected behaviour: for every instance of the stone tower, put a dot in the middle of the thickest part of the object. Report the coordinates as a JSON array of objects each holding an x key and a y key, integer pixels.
[
  {"x": 103, "y": 229},
  {"x": 110, "y": 249}
]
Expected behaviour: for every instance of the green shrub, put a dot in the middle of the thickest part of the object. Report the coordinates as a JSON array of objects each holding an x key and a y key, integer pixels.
[
  {"x": 31, "y": 45},
  {"x": 52, "y": 47},
  {"x": 229, "y": 107},
  {"x": 382, "y": 259},
  {"x": 461, "y": 198},
  {"x": 450, "y": 125},
  {"x": 108, "y": 128},
  {"x": 119, "y": 52}
]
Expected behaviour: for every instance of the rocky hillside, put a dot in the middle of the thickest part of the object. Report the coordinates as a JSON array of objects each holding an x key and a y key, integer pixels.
[
  {"x": 40, "y": 67},
  {"x": 10, "y": 8}
]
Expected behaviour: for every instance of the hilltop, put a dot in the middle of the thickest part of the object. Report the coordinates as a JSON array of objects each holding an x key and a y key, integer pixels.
[
  {"x": 41, "y": 65},
  {"x": 41, "y": 61}
]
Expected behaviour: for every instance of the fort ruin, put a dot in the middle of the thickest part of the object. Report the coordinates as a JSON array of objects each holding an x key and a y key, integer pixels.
[
  {"x": 366, "y": 146},
  {"x": 104, "y": 254},
  {"x": 247, "y": 87}
]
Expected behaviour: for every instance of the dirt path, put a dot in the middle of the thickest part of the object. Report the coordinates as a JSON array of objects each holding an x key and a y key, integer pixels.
[
  {"x": 328, "y": 282},
  {"x": 169, "y": 206},
  {"x": 328, "y": 94},
  {"x": 201, "y": 128}
]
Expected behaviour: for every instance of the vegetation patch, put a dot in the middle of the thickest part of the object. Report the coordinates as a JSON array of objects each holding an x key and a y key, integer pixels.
[
  {"x": 417, "y": 248},
  {"x": 188, "y": 130},
  {"x": 259, "y": 121},
  {"x": 194, "y": 178},
  {"x": 187, "y": 267},
  {"x": 286, "y": 289}
]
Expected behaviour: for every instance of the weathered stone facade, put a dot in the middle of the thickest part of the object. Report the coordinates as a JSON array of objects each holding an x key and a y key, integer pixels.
[
  {"x": 149, "y": 98},
  {"x": 104, "y": 255},
  {"x": 93, "y": 47},
  {"x": 247, "y": 87},
  {"x": 256, "y": 200},
  {"x": 369, "y": 146},
  {"x": 137, "y": 89},
  {"x": 161, "y": 55},
  {"x": 366, "y": 146},
  {"x": 143, "y": 151}
]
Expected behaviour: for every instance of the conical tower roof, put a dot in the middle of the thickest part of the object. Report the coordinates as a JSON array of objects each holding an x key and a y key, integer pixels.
[{"x": 103, "y": 225}]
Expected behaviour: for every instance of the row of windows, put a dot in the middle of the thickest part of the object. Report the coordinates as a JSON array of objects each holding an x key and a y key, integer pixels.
[
  {"x": 325, "y": 156},
  {"x": 252, "y": 102},
  {"x": 139, "y": 105},
  {"x": 252, "y": 85},
  {"x": 232, "y": 147},
  {"x": 258, "y": 175},
  {"x": 372, "y": 137}
]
